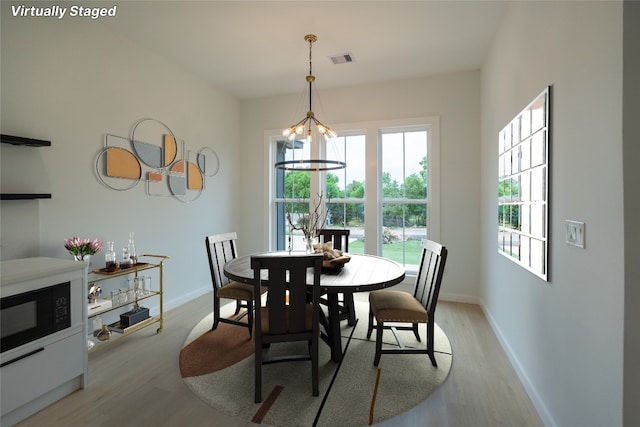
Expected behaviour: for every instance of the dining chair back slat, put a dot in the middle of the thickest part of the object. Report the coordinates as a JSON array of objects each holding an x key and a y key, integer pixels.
[
  {"x": 427, "y": 288},
  {"x": 339, "y": 236},
  {"x": 391, "y": 308},
  {"x": 340, "y": 239},
  {"x": 221, "y": 248},
  {"x": 291, "y": 312}
]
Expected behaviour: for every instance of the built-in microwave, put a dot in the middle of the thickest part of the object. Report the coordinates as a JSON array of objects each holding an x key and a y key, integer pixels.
[{"x": 31, "y": 315}]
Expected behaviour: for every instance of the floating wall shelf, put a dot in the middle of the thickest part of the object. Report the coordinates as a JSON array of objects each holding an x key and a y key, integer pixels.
[
  {"x": 24, "y": 196},
  {"x": 19, "y": 140},
  {"x": 29, "y": 142}
]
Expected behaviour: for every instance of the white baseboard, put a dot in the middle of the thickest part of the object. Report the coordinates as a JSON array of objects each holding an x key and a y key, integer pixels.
[
  {"x": 537, "y": 401},
  {"x": 177, "y": 302},
  {"x": 466, "y": 299},
  {"x": 154, "y": 310}
]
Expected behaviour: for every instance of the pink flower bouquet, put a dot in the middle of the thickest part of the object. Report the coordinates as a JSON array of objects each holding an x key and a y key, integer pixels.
[{"x": 82, "y": 247}]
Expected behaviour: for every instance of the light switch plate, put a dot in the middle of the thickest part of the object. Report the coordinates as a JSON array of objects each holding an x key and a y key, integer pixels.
[{"x": 575, "y": 233}]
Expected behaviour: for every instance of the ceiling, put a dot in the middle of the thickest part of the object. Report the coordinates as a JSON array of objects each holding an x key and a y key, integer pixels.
[{"x": 256, "y": 48}]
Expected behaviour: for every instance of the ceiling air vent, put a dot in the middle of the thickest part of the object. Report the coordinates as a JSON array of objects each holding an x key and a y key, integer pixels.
[{"x": 342, "y": 58}]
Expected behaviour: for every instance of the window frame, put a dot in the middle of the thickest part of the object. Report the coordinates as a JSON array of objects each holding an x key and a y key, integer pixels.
[
  {"x": 373, "y": 172},
  {"x": 517, "y": 165}
]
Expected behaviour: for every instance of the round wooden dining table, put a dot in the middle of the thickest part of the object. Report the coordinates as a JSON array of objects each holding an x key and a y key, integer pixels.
[{"x": 362, "y": 273}]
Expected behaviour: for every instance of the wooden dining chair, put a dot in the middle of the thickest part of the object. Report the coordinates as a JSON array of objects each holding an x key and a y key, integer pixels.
[
  {"x": 287, "y": 315},
  {"x": 220, "y": 249},
  {"x": 390, "y": 307},
  {"x": 340, "y": 239}
]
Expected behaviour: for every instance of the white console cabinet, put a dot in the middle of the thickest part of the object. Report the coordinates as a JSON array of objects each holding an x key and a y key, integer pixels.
[{"x": 42, "y": 371}]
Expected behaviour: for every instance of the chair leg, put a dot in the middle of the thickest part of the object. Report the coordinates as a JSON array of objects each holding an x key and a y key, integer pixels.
[
  {"x": 370, "y": 329},
  {"x": 379, "y": 329},
  {"x": 216, "y": 312},
  {"x": 351, "y": 308},
  {"x": 416, "y": 333},
  {"x": 314, "y": 368},
  {"x": 238, "y": 306},
  {"x": 430, "y": 341},
  {"x": 258, "y": 372},
  {"x": 250, "y": 316}
]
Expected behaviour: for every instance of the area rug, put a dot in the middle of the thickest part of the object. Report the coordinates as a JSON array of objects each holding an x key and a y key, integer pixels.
[{"x": 218, "y": 367}]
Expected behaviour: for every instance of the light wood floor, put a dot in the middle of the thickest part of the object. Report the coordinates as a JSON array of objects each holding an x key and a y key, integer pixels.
[{"x": 137, "y": 381}]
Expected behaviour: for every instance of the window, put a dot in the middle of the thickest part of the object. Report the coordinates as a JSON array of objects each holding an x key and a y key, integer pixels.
[
  {"x": 345, "y": 190},
  {"x": 404, "y": 194},
  {"x": 522, "y": 187},
  {"x": 292, "y": 194},
  {"x": 388, "y": 195}
]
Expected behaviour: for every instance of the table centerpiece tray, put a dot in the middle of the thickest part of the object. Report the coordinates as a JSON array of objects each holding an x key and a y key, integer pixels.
[{"x": 120, "y": 269}]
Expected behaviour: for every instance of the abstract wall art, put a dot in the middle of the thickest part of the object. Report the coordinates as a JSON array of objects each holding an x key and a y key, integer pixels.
[{"x": 153, "y": 155}]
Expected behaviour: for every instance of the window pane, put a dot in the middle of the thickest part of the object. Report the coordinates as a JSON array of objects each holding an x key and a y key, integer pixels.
[
  {"x": 537, "y": 256},
  {"x": 351, "y": 217},
  {"x": 507, "y": 137},
  {"x": 404, "y": 225},
  {"x": 515, "y": 245},
  {"x": 515, "y": 159},
  {"x": 525, "y": 124},
  {"x": 525, "y": 251},
  {"x": 292, "y": 184},
  {"x": 525, "y": 221},
  {"x": 515, "y": 137},
  {"x": 538, "y": 149},
  {"x": 538, "y": 185},
  {"x": 537, "y": 220},
  {"x": 525, "y": 186},
  {"x": 347, "y": 184},
  {"x": 538, "y": 114},
  {"x": 404, "y": 176},
  {"x": 295, "y": 212},
  {"x": 415, "y": 161},
  {"x": 525, "y": 149},
  {"x": 393, "y": 168}
]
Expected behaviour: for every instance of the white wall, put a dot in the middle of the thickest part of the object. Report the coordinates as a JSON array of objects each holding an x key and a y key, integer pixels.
[
  {"x": 454, "y": 98},
  {"x": 70, "y": 81},
  {"x": 564, "y": 336}
]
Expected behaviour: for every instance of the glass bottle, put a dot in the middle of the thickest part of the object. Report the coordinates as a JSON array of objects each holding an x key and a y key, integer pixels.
[
  {"x": 110, "y": 258},
  {"x": 126, "y": 259},
  {"x": 132, "y": 249}
]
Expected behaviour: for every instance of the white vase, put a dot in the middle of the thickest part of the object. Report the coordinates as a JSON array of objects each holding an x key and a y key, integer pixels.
[{"x": 84, "y": 258}]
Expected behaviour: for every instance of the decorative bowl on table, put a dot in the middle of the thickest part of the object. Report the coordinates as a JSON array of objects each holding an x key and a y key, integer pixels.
[
  {"x": 335, "y": 264},
  {"x": 333, "y": 259}
]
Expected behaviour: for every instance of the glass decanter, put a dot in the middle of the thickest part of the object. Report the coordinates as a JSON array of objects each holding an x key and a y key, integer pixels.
[
  {"x": 126, "y": 258},
  {"x": 110, "y": 258},
  {"x": 132, "y": 249}
]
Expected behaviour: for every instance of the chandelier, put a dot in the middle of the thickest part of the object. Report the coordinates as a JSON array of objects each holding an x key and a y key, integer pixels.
[{"x": 306, "y": 126}]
